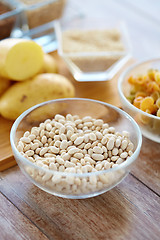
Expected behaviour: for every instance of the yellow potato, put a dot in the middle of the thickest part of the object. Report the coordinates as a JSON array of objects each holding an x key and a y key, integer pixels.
[
  {"x": 49, "y": 64},
  {"x": 20, "y": 59},
  {"x": 23, "y": 95},
  {"x": 4, "y": 84}
]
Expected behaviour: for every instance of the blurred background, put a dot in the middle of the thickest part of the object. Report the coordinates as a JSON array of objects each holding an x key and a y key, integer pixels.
[{"x": 141, "y": 17}]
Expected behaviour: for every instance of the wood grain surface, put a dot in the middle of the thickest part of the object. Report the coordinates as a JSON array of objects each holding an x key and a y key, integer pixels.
[
  {"x": 131, "y": 210},
  {"x": 122, "y": 213}
]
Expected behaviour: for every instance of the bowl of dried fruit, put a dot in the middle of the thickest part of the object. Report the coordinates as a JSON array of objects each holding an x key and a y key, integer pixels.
[
  {"x": 139, "y": 90},
  {"x": 75, "y": 148}
]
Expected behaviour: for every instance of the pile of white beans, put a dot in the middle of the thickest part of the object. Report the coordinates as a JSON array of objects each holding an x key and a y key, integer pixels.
[{"x": 74, "y": 145}]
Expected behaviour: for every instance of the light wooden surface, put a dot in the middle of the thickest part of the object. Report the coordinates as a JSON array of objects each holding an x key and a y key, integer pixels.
[{"x": 129, "y": 211}]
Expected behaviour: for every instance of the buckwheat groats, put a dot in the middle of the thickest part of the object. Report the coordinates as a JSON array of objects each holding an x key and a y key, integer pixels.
[{"x": 76, "y": 149}]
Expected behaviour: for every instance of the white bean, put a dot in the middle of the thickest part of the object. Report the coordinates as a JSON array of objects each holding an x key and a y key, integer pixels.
[
  {"x": 115, "y": 151},
  {"x": 130, "y": 146},
  {"x": 46, "y": 176},
  {"x": 44, "y": 139},
  {"x": 92, "y": 136},
  {"x": 78, "y": 140},
  {"x": 124, "y": 155},
  {"x": 53, "y": 166},
  {"x": 119, "y": 161},
  {"x": 97, "y": 150},
  {"x": 56, "y": 178},
  {"x": 107, "y": 165},
  {"x": 124, "y": 144},
  {"x": 62, "y": 130},
  {"x": 81, "y": 146},
  {"x": 73, "y": 150},
  {"x": 87, "y": 124},
  {"x": 25, "y": 139},
  {"x": 117, "y": 143},
  {"x": 114, "y": 158},
  {"x": 99, "y": 135},
  {"x": 58, "y": 117},
  {"x": 104, "y": 140},
  {"x": 54, "y": 149},
  {"x": 110, "y": 144},
  {"x": 29, "y": 153},
  {"x": 19, "y": 148},
  {"x": 59, "y": 160},
  {"x": 98, "y": 167},
  {"x": 98, "y": 122},
  {"x": 87, "y": 119},
  {"x": 58, "y": 125},
  {"x": 87, "y": 146},
  {"x": 93, "y": 179},
  {"x": 43, "y": 151},
  {"x": 68, "y": 164},
  {"x": 66, "y": 156},
  {"x": 57, "y": 143},
  {"x": 97, "y": 157},
  {"x": 63, "y": 144},
  {"x": 111, "y": 129},
  {"x": 73, "y": 137},
  {"x": 78, "y": 155}
]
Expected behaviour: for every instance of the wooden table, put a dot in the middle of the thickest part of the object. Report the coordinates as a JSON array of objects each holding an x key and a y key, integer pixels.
[{"x": 129, "y": 211}]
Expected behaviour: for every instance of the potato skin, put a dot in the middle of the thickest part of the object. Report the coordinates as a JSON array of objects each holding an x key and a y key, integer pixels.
[
  {"x": 23, "y": 95},
  {"x": 4, "y": 85},
  {"x": 49, "y": 64}
]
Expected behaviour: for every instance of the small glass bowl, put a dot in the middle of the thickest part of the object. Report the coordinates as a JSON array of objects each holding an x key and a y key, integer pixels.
[
  {"x": 74, "y": 185},
  {"x": 149, "y": 124},
  {"x": 9, "y": 16},
  {"x": 42, "y": 12},
  {"x": 36, "y": 21},
  {"x": 93, "y": 65}
]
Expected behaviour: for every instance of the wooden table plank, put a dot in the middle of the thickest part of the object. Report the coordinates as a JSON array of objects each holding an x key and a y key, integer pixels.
[
  {"x": 118, "y": 214},
  {"x": 129, "y": 211},
  {"x": 5, "y": 147},
  {"x": 147, "y": 167},
  {"x": 14, "y": 225}
]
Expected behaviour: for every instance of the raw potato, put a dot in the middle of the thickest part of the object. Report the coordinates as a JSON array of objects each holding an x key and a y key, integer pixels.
[
  {"x": 49, "y": 64},
  {"x": 20, "y": 59},
  {"x": 23, "y": 95},
  {"x": 4, "y": 85}
]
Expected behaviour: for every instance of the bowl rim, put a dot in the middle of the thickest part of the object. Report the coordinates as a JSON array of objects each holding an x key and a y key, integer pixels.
[
  {"x": 121, "y": 80},
  {"x": 119, "y": 167}
]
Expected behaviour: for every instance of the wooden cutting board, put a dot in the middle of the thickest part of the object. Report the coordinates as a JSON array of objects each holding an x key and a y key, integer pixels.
[{"x": 103, "y": 91}]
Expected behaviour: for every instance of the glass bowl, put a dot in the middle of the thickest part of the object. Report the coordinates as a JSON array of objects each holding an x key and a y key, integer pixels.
[
  {"x": 74, "y": 185},
  {"x": 9, "y": 15},
  {"x": 149, "y": 124},
  {"x": 31, "y": 19},
  {"x": 88, "y": 59},
  {"x": 41, "y": 12}
]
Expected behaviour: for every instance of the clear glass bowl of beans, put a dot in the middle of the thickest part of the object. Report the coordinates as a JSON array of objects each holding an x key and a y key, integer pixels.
[
  {"x": 75, "y": 148},
  {"x": 139, "y": 90}
]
